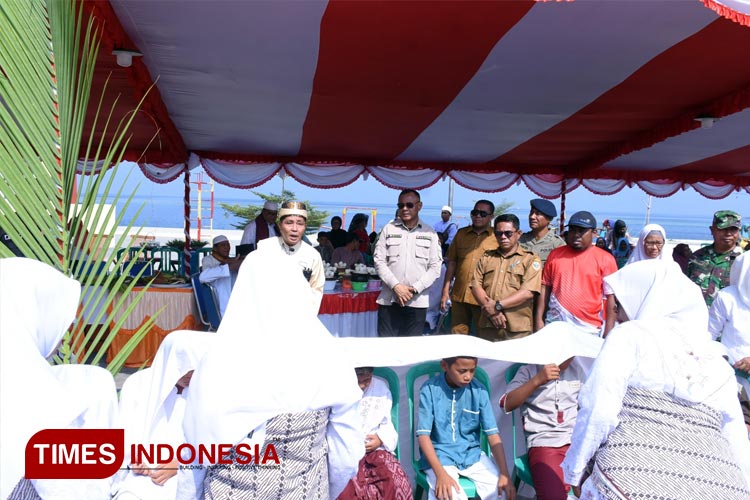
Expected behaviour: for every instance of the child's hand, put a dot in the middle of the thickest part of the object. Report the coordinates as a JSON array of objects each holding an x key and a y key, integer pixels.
[
  {"x": 444, "y": 486},
  {"x": 505, "y": 486},
  {"x": 140, "y": 469},
  {"x": 161, "y": 473},
  {"x": 372, "y": 443},
  {"x": 547, "y": 373},
  {"x": 743, "y": 364}
]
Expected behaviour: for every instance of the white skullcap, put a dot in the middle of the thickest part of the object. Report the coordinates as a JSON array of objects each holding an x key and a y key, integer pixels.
[
  {"x": 447, "y": 208},
  {"x": 219, "y": 239},
  {"x": 271, "y": 206}
]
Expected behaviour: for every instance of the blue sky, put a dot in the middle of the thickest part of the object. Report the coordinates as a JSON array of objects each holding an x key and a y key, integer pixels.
[{"x": 362, "y": 192}]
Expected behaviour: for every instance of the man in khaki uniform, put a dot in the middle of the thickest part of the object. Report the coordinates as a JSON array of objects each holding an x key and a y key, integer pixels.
[
  {"x": 541, "y": 240},
  {"x": 467, "y": 247},
  {"x": 505, "y": 283}
]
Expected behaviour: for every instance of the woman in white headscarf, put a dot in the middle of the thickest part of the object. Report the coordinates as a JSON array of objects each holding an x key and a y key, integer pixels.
[
  {"x": 274, "y": 376},
  {"x": 650, "y": 245},
  {"x": 659, "y": 412},
  {"x": 152, "y": 407},
  {"x": 729, "y": 316},
  {"x": 37, "y": 306}
]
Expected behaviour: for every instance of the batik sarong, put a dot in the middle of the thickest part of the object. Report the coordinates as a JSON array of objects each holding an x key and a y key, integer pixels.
[
  {"x": 380, "y": 477},
  {"x": 302, "y": 472},
  {"x": 667, "y": 448}
]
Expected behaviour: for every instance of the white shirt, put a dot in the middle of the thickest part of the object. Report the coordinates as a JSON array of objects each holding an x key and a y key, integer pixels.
[
  {"x": 305, "y": 256},
  {"x": 248, "y": 235},
  {"x": 729, "y": 319},
  {"x": 375, "y": 411},
  {"x": 220, "y": 277}
]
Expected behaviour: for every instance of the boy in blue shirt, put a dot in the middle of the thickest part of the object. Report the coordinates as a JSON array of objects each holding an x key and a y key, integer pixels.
[{"x": 452, "y": 408}]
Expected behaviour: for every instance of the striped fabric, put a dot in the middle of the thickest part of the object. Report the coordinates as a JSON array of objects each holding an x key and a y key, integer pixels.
[
  {"x": 24, "y": 490},
  {"x": 302, "y": 473},
  {"x": 667, "y": 448}
]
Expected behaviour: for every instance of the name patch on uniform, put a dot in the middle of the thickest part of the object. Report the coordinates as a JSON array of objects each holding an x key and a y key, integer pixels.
[
  {"x": 392, "y": 236},
  {"x": 423, "y": 238}
]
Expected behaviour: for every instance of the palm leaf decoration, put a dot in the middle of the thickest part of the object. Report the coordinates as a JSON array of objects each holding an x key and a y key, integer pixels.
[{"x": 48, "y": 50}]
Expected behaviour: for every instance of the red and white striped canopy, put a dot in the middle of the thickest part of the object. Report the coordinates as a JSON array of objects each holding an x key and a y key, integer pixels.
[{"x": 603, "y": 94}]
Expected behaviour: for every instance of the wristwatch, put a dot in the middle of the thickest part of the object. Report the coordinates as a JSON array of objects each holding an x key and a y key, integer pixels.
[{"x": 498, "y": 306}]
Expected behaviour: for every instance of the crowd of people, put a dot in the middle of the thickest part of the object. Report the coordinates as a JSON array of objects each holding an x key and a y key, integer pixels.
[{"x": 659, "y": 413}]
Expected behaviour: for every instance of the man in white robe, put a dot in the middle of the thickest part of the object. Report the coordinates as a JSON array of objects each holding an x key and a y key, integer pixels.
[
  {"x": 292, "y": 224},
  {"x": 220, "y": 270}
]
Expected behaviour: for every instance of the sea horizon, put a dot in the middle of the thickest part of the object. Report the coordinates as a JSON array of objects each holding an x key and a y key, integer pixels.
[{"x": 167, "y": 212}]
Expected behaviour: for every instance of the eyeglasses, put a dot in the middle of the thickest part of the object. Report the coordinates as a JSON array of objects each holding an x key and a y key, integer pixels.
[
  {"x": 507, "y": 234},
  {"x": 657, "y": 244},
  {"x": 480, "y": 213},
  {"x": 408, "y": 204}
]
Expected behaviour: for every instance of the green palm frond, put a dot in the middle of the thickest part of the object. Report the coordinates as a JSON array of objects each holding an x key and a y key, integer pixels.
[{"x": 48, "y": 51}]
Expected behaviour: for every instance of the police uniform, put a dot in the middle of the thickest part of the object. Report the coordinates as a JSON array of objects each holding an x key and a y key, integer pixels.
[
  {"x": 501, "y": 276},
  {"x": 543, "y": 246},
  {"x": 709, "y": 269},
  {"x": 411, "y": 257}
]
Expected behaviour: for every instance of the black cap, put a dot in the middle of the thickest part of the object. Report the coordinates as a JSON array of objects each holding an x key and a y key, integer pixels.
[
  {"x": 583, "y": 219},
  {"x": 544, "y": 206}
]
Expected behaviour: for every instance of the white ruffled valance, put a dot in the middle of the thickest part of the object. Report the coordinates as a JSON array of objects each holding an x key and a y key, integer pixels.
[
  {"x": 326, "y": 177},
  {"x": 245, "y": 175},
  {"x": 488, "y": 182},
  {"x": 161, "y": 173},
  {"x": 604, "y": 186},
  {"x": 549, "y": 185},
  {"x": 714, "y": 191}
]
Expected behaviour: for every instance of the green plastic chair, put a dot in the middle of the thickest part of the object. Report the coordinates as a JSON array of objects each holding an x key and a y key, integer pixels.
[
  {"x": 431, "y": 368},
  {"x": 393, "y": 384},
  {"x": 521, "y": 467}
]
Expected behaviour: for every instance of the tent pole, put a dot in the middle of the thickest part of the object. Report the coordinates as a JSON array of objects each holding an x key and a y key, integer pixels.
[
  {"x": 563, "y": 188},
  {"x": 186, "y": 202}
]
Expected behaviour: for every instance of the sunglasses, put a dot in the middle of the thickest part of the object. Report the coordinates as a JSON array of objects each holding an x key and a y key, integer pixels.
[
  {"x": 480, "y": 213},
  {"x": 507, "y": 234},
  {"x": 408, "y": 204}
]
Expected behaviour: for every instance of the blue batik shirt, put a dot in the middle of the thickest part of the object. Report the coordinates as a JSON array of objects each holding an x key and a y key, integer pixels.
[{"x": 452, "y": 417}]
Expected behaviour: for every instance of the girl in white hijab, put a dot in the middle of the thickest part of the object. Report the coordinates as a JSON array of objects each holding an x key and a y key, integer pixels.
[
  {"x": 659, "y": 397},
  {"x": 729, "y": 316},
  {"x": 152, "y": 407},
  {"x": 37, "y": 306},
  {"x": 273, "y": 360},
  {"x": 650, "y": 244}
]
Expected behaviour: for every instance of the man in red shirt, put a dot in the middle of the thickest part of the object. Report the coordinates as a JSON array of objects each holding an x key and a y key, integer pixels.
[{"x": 572, "y": 281}]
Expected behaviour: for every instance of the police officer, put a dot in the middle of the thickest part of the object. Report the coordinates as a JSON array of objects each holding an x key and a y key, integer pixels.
[{"x": 408, "y": 259}]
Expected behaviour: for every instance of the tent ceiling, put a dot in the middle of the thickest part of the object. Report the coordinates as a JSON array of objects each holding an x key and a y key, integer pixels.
[{"x": 582, "y": 90}]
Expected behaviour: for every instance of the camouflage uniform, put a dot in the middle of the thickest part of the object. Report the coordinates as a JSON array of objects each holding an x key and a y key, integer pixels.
[
  {"x": 543, "y": 246},
  {"x": 710, "y": 270}
]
